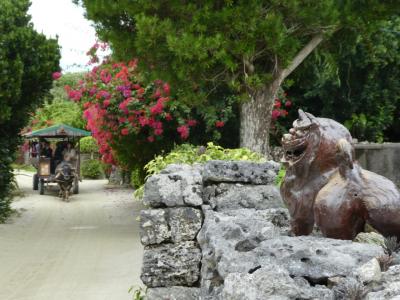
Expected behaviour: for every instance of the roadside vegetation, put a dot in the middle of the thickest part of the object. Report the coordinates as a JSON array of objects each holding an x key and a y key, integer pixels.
[{"x": 27, "y": 62}]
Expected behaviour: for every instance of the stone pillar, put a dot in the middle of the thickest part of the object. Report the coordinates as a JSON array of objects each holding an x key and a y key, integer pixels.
[{"x": 169, "y": 227}]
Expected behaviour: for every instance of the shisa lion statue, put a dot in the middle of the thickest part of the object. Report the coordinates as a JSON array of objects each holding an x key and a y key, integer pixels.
[{"x": 325, "y": 185}]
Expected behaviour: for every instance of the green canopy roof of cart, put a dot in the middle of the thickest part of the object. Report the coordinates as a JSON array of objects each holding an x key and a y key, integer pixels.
[{"x": 59, "y": 130}]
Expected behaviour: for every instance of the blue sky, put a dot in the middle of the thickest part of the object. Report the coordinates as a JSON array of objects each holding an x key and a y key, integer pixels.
[{"x": 75, "y": 33}]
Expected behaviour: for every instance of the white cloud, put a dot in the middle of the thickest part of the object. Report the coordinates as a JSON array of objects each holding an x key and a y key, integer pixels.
[{"x": 66, "y": 20}]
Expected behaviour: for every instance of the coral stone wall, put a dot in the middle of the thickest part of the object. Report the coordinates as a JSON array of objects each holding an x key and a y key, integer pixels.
[
  {"x": 221, "y": 231},
  {"x": 383, "y": 159},
  {"x": 177, "y": 200}
]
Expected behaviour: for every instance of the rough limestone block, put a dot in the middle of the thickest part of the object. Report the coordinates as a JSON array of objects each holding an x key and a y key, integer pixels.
[
  {"x": 318, "y": 258},
  {"x": 271, "y": 282},
  {"x": 369, "y": 272},
  {"x": 163, "y": 190},
  {"x": 171, "y": 264},
  {"x": 178, "y": 185},
  {"x": 244, "y": 241},
  {"x": 389, "y": 287},
  {"x": 232, "y": 235},
  {"x": 240, "y": 171},
  {"x": 231, "y": 196},
  {"x": 391, "y": 291},
  {"x": 185, "y": 223},
  {"x": 173, "y": 293},
  {"x": 166, "y": 225},
  {"x": 154, "y": 226}
]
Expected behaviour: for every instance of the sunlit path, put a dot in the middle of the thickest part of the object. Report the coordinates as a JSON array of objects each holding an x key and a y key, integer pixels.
[{"x": 86, "y": 249}]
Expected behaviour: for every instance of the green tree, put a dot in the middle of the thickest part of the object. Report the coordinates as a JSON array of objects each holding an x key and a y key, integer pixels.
[
  {"x": 58, "y": 92},
  {"x": 356, "y": 83},
  {"x": 58, "y": 108},
  {"x": 27, "y": 61},
  {"x": 249, "y": 46}
]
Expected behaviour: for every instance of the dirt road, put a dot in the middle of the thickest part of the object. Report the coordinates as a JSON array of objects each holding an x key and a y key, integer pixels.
[{"x": 87, "y": 249}]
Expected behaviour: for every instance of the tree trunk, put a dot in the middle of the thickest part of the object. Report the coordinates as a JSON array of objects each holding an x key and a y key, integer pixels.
[
  {"x": 255, "y": 115},
  {"x": 255, "y": 119}
]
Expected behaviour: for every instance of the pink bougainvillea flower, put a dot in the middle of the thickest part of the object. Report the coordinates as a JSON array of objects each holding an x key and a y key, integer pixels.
[
  {"x": 156, "y": 124},
  {"x": 127, "y": 93},
  {"x": 192, "y": 122},
  {"x": 106, "y": 103},
  {"x": 284, "y": 113},
  {"x": 151, "y": 121},
  {"x": 92, "y": 91},
  {"x": 123, "y": 73},
  {"x": 158, "y": 82},
  {"x": 104, "y": 94},
  {"x": 105, "y": 76},
  {"x": 277, "y": 104},
  {"x": 143, "y": 121},
  {"x": 157, "y": 94},
  {"x": 157, "y": 109},
  {"x": 150, "y": 139},
  {"x": 57, "y": 75},
  {"x": 87, "y": 114},
  {"x": 275, "y": 114},
  {"x": 132, "y": 63},
  {"x": 219, "y": 124},
  {"x": 288, "y": 103},
  {"x": 124, "y": 131},
  {"x": 75, "y": 95},
  {"x": 168, "y": 117},
  {"x": 166, "y": 88},
  {"x": 183, "y": 131},
  {"x": 123, "y": 106},
  {"x": 158, "y": 131}
]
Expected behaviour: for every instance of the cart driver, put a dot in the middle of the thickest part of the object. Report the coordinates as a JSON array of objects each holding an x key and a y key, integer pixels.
[
  {"x": 70, "y": 154},
  {"x": 46, "y": 151}
]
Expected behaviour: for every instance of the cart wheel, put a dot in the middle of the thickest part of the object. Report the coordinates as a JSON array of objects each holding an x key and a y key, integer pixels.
[
  {"x": 35, "y": 182},
  {"x": 41, "y": 187},
  {"x": 76, "y": 186}
]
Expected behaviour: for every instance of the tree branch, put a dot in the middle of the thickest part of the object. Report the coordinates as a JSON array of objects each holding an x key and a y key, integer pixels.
[{"x": 303, "y": 53}]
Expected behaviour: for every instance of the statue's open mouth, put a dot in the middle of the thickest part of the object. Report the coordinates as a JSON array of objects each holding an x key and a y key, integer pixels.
[
  {"x": 295, "y": 142},
  {"x": 294, "y": 147},
  {"x": 295, "y": 153}
]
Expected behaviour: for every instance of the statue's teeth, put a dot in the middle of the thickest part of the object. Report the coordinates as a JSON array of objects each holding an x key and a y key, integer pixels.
[{"x": 287, "y": 136}]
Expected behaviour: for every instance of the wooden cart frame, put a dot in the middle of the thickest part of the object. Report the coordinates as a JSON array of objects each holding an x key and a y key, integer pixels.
[{"x": 60, "y": 132}]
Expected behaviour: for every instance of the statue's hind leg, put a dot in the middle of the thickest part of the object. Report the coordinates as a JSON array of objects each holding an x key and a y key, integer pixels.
[{"x": 340, "y": 222}]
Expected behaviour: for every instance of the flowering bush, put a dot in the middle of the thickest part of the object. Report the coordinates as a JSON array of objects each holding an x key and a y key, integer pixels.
[
  {"x": 279, "y": 121},
  {"x": 131, "y": 121}
]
